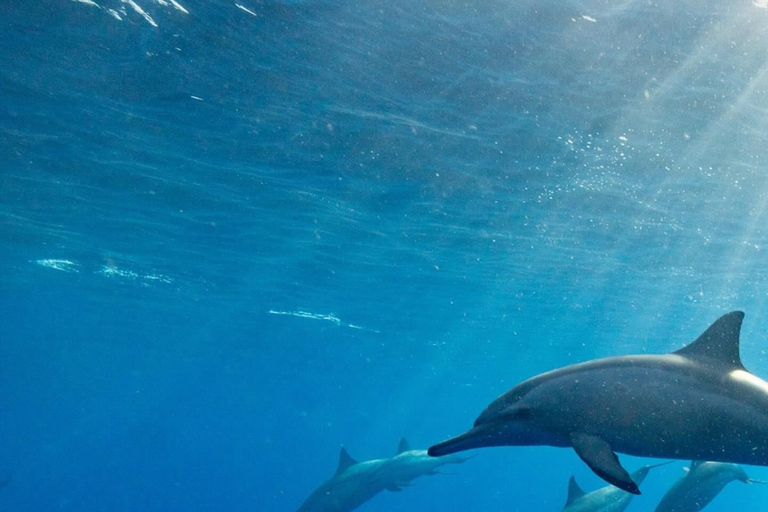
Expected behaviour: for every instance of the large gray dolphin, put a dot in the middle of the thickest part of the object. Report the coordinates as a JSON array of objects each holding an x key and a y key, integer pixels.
[
  {"x": 357, "y": 482},
  {"x": 696, "y": 403},
  {"x": 605, "y": 499},
  {"x": 701, "y": 485}
]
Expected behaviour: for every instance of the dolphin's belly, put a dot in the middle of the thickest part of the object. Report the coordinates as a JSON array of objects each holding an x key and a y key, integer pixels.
[{"x": 654, "y": 412}]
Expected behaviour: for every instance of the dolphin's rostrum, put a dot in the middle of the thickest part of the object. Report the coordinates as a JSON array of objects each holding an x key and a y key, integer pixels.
[{"x": 696, "y": 403}]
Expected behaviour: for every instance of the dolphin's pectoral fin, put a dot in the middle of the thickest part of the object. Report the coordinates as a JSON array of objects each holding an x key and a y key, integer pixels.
[
  {"x": 394, "y": 488},
  {"x": 597, "y": 453}
]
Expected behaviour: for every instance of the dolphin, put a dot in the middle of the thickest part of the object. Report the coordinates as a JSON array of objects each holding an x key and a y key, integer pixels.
[
  {"x": 701, "y": 485},
  {"x": 698, "y": 402},
  {"x": 357, "y": 482},
  {"x": 605, "y": 499},
  {"x": 408, "y": 464}
]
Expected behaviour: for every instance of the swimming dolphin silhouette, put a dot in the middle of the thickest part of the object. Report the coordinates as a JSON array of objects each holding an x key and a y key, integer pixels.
[
  {"x": 408, "y": 464},
  {"x": 605, "y": 499},
  {"x": 357, "y": 482},
  {"x": 701, "y": 485},
  {"x": 696, "y": 403}
]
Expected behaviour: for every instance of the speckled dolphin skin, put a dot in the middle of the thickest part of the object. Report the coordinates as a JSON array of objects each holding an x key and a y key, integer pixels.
[
  {"x": 700, "y": 485},
  {"x": 696, "y": 403}
]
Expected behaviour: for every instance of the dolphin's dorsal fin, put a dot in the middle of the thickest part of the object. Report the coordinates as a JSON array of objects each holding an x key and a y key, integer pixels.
[
  {"x": 719, "y": 344},
  {"x": 696, "y": 463},
  {"x": 574, "y": 491},
  {"x": 345, "y": 461},
  {"x": 403, "y": 446}
]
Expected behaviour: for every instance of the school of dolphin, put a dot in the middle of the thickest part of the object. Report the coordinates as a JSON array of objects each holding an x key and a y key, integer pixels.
[{"x": 698, "y": 403}]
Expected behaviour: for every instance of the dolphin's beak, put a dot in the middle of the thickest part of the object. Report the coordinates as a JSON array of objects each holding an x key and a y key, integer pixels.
[{"x": 476, "y": 437}]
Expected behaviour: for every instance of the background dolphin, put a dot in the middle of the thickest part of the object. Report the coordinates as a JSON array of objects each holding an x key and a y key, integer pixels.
[
  {"x": 605, "y": 499},
  {"x": 409, "y": 464},
  {"x": 696, "y": 403},
  {"x": 357, "y": 482},
  {"x": 701, "y": 485}
]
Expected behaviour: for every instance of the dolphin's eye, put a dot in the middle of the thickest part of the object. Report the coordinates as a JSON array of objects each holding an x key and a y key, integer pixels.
[{"x": 520, "y": 413}]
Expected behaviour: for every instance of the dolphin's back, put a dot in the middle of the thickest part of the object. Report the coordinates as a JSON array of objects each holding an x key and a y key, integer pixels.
[
  {"x": 701, "y": 485},
  {"x": 656, "y": 406}
]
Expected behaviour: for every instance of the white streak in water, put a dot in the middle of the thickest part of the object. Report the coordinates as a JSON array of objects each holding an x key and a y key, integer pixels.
[
  {"x": 105, "y": 271},
  {"x": 588, "y": 18},
  {"x": 136, "y": 7},
  {"x": 110, "y": 271},
  {"x": 317, "y": 316},
  {"x": 158, "y": 277},
  {"x": 141, "y": 11},
  {"x": 178, "y": 6},
  {"x": 253, "y": 13},
  {"x": 63, "y": 265}
]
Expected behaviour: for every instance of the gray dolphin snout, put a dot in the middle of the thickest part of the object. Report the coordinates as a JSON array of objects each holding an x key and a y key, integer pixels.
[{"x": 476, "y": 437}]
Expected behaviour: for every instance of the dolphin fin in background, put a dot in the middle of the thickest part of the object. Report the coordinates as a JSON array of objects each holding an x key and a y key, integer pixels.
[
  {"x": 574, "y": 491},
  {"x": 403, "y": 446},
  {"x": 598, "y": 455},
  {"x": 345, "y": 461},
  {"x": 719, "y": 344}
]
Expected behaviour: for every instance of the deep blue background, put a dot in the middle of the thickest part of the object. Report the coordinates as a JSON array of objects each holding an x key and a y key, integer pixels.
[{"x": 490, "y": 189}]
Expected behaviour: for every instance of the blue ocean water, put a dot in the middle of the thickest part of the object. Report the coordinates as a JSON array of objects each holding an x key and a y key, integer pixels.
[{"x": 237, "y": 235}]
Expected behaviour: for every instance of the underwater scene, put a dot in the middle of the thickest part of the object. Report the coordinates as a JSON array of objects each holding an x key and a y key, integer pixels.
[{"x": 323, "y": 256}]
